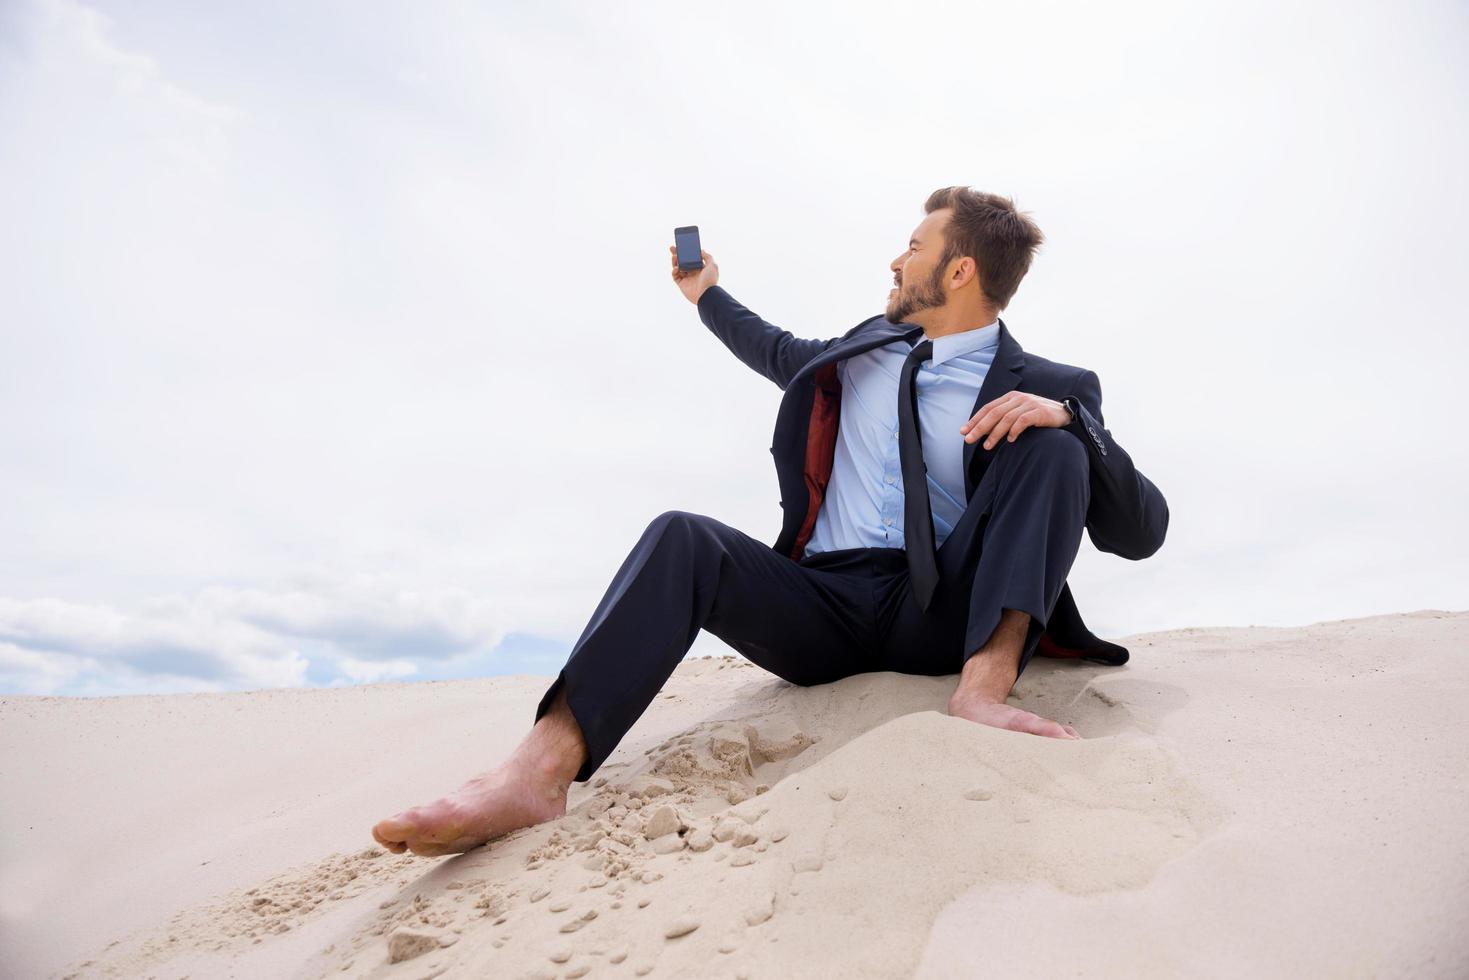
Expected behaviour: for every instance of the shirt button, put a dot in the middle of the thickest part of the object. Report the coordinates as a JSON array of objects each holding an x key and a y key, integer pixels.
[
  {"x": 889, "y": 522},
  {"x": 895, "y": 433},
  {"x": 890, "y": 479}
]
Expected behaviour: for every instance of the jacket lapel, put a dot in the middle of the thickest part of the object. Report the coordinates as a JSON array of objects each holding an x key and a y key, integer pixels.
[
  {"x": 1003, "y": 376},
  {"x": 879, "y": 333}
]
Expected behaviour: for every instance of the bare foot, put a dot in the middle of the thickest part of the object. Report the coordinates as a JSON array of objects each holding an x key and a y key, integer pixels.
[
  {"x": 488, "y": 806},
  {"x": 1002, "y": 715}
]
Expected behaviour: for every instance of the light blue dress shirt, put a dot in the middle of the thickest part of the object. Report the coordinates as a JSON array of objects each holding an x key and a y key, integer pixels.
[{"x": 864, "y": 500}]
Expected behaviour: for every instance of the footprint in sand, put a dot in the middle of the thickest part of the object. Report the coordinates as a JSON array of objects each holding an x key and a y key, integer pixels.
[{"x": 773, "y": 746}]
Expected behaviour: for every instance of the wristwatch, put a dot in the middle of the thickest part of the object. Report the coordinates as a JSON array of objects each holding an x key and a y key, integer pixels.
[{"x": 1067, "y": 401}]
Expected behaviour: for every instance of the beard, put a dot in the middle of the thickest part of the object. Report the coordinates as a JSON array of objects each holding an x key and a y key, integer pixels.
[{"x": 925, "y": 295}]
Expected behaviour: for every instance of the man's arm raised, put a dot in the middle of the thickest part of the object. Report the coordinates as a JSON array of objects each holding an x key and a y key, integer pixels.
[{"x": 766, "y": 348}]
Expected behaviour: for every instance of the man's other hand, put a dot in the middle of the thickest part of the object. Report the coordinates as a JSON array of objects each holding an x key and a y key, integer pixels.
[
  {"x": 1011, "y": 414},
  {"x": 694, "y": 281}
]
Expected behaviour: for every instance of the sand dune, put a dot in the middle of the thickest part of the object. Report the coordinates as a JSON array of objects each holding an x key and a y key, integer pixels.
[{"x": 1251, "y": 801}]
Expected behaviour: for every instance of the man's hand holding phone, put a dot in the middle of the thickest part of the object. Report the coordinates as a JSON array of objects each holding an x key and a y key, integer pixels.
[{"x": 693, "y": 282}]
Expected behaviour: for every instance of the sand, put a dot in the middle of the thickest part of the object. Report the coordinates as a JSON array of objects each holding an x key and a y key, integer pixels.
[{"x": 1245, "y": 801}]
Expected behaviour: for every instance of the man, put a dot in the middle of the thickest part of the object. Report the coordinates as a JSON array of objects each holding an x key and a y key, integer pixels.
[{"x": 935, "y": 478}]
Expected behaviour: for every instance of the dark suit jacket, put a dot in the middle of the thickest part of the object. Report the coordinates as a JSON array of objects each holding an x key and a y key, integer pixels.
[{"x": 1127, "y": 515}]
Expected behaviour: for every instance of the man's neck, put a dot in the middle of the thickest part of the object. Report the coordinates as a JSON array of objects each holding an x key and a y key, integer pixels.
[{"x": 954, "y": 318}]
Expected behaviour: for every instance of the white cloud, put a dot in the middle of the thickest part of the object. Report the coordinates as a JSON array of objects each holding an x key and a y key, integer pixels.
[
  {"x": 191, "y": 643},
  {"x": 367, "y": 613},
  {"x": 25, "y": 671},
  {"x": 364, "y": 628}
]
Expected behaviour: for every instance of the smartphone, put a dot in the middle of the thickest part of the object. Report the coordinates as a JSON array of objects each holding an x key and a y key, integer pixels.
[{"x": 686, "y": 241}]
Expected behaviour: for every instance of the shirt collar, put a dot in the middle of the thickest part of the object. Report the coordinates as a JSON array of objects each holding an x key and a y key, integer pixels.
[{"x": 966, "y": 341}]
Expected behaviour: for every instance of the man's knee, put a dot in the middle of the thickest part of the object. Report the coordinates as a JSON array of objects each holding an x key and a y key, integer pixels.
[
  {"x": 1052, "y": 448},
  {"x": 679, "y": 520},
  {"x": 684, "y": 530}
]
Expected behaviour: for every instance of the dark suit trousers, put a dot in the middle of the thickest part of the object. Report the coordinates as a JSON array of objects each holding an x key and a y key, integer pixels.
[{"x": 836, "y": 613}]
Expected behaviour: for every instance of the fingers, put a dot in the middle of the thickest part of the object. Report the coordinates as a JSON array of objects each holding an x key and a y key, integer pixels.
[
  {"x": 1002, "y": 427},
  {"x": 987, "y": 416},
  {"x": 1006, "y": 417},
  {"x": 679, "y": 275},
  {"x": 1025, "y": 421}
]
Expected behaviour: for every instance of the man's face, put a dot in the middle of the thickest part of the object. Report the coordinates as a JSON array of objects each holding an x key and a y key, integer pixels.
[{"x": 917, "y": 273}]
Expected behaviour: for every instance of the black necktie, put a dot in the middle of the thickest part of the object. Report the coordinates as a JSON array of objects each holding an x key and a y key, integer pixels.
[{"x": 923, "y": 566}]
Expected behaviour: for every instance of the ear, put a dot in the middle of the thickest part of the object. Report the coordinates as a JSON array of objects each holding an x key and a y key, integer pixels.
[{"x": 965, "y": 269}]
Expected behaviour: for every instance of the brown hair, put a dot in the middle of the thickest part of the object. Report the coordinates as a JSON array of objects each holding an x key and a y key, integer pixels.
[{"x": 988, "y": 229}]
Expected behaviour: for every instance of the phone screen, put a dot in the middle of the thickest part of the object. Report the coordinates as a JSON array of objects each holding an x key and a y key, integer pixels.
[{"x": 686, "y": 241}]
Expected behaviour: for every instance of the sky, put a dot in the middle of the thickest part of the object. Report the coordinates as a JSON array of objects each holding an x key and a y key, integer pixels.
[{"x": 338, "y": 345}]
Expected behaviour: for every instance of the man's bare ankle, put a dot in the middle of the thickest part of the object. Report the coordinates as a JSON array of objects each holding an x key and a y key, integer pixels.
[
  {"x": 550, "y": 778},
  {"x": 964, "y": 698},
  {"x": 551, "y": 756},
  {"x": 555, "y": 750}
]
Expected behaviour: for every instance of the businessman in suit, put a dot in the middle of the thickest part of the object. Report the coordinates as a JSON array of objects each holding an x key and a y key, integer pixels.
[{"x": 936, "y": 480}]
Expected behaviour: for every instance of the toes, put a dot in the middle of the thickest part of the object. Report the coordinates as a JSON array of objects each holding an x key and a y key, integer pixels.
[
  {"x": 1036, "y": 725},
  {"x": 387, "y": 841},
  {"x": 438, "y": 823},
  {"x": 446, "y": 826},
  {"x": 386, "y": 834},
  {"x": 394, "y": 846},
  {"x": 396, "y": 828},
  {"x": 437, "y": 849},
  {"x": 1044, "y": 726}
]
